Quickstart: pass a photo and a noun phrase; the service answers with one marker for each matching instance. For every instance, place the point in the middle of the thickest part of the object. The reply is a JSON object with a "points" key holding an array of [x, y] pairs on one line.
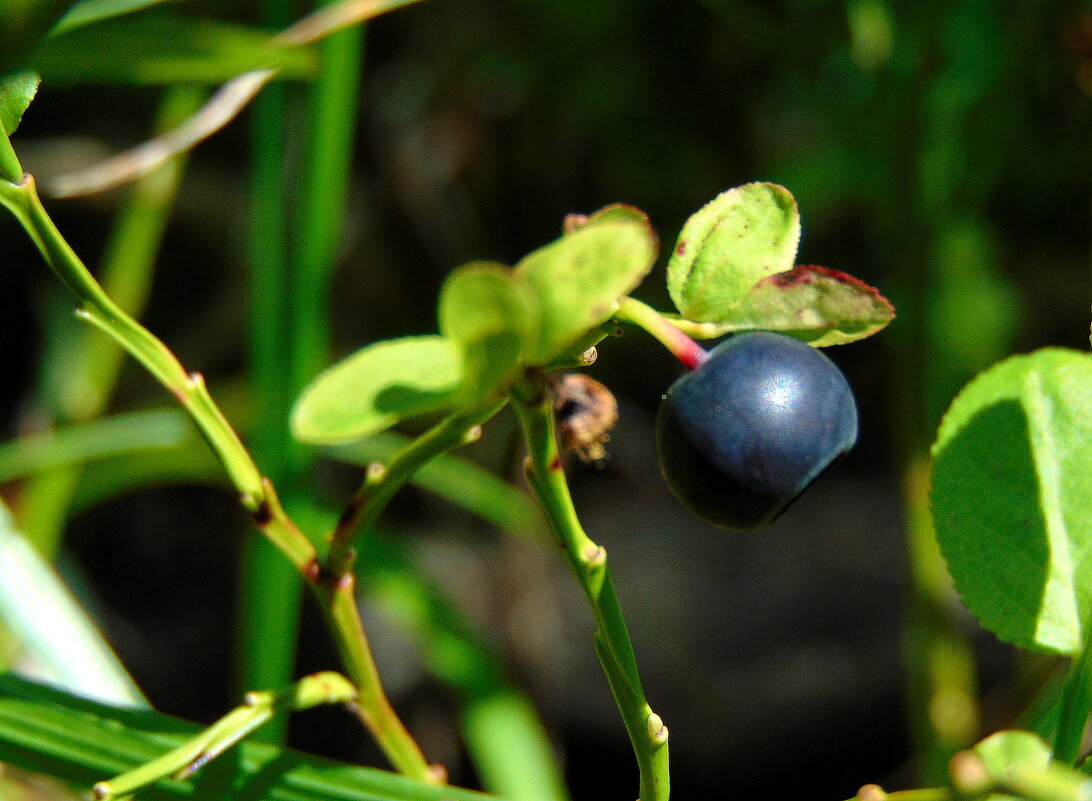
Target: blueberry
{"points": [[742, 435]]}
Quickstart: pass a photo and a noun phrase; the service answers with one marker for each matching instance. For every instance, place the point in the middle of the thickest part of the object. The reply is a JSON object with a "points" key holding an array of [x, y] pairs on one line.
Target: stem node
{"points": [[657, 731], [262, 513], [437, 774], [594, 556]]}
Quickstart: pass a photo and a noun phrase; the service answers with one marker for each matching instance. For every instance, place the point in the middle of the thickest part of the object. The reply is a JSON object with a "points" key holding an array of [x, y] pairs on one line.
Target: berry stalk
{"points": [[681, 346]]}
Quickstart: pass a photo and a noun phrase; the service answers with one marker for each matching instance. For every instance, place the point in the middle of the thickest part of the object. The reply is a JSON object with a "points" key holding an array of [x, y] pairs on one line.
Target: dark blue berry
{"points": [[741, 436]]}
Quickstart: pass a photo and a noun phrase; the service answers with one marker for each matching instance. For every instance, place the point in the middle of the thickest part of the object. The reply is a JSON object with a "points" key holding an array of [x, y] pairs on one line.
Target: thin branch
{"points": [[647, 732], [221, 109]]}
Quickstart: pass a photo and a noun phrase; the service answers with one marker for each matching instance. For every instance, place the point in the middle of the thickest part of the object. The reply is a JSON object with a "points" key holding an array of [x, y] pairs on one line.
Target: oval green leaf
{"points": [[579, 278], [1003, 750], [1012, 498], [16, 93], [733, 242], [377, 386], [492, 314], [819, 306], [164, 50]]}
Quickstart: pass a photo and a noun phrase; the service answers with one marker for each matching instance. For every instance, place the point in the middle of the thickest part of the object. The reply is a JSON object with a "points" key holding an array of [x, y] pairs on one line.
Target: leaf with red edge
{"points": [[817, 305], [578, 279]]}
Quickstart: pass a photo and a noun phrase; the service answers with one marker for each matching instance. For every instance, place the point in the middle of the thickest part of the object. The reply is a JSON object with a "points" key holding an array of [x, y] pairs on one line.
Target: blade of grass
{"points": [[56, 639], [48, 731], [270, 590], [78, 444], [288, 322]]}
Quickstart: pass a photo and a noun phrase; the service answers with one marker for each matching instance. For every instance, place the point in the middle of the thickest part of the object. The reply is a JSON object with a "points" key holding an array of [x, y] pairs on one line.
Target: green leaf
{"points": [[163, 50], [1012, 498], [493, 315], [819, 306], [737, 239], [49, 732], [1004, 749], [86, 12], [377, 386], [16, 92], [1018, 763], [580, 277]]}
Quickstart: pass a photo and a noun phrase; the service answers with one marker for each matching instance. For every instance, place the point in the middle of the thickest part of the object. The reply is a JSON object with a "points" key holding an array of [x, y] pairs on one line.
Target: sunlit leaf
{"points": [[579, 278], [1006, 748], [1012, 498], [819, 306], [493, 316], [1020, 764], [162, 50], [16, 93], [729, 245], [377, 386]]}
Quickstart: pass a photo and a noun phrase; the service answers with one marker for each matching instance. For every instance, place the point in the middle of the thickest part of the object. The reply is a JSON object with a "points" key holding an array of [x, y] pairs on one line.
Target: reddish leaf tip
{"points": [[807, 273]]}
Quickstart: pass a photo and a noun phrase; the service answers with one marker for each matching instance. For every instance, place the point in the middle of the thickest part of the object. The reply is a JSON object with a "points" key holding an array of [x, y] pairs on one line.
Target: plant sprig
{"points": [[534, 406], [502, 328], [256, 492], [257, 709], [382, 481]]}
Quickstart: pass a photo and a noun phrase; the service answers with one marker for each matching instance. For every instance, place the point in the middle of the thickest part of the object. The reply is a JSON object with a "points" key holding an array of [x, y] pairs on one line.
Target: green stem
{"points": [[257, 493], [257, 709], [338, 601], [382, 481], [1073, 706], [79, 375], [682, 347], [270, 591], [534, 407], [95, 307], [10, 168], [459, 481]]}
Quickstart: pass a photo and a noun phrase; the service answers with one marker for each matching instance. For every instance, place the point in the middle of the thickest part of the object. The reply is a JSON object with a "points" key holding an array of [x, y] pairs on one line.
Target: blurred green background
{"points": [[939, 151]]}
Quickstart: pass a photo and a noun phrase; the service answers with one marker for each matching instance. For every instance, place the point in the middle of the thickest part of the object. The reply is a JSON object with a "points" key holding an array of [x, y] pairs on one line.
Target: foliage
{"points": [[1008, 492]]}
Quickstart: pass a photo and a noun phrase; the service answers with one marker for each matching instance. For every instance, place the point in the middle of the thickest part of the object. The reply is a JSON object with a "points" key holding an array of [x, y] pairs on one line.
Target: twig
{"points": [[647, 732], [221, 108]]}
